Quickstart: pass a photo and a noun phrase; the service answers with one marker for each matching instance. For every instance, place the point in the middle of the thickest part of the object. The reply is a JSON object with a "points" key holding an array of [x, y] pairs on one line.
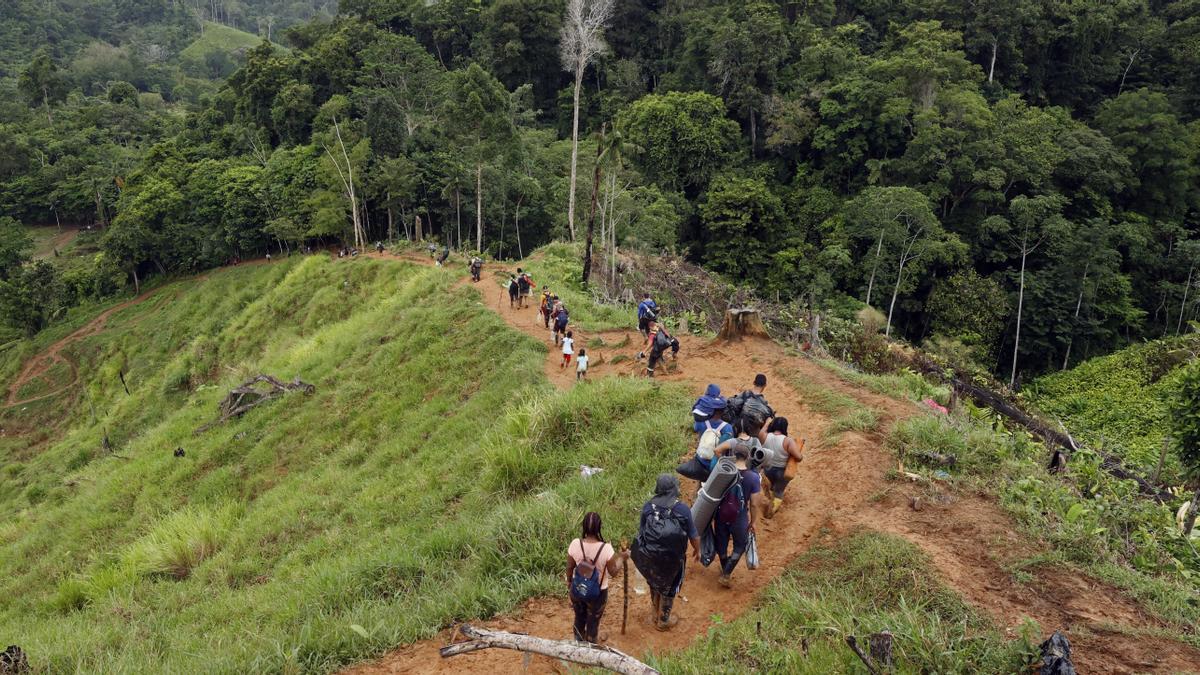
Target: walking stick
{"points": [[625, 588]]}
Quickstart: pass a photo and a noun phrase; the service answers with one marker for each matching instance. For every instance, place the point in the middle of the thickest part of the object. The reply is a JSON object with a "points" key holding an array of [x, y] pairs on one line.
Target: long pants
{"points": [[739, 531], [778, 482], [587, 617], [663, 600]]}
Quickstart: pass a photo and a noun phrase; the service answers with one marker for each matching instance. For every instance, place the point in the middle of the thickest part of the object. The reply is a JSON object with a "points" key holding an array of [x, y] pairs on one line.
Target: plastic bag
{"points": [[708, 547], [752, 552], [1056, 656]]}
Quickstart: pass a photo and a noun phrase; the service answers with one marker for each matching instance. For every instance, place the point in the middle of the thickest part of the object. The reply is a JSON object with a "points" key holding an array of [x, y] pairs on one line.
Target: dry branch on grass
{"points": [[575, 652], [251, 394]]}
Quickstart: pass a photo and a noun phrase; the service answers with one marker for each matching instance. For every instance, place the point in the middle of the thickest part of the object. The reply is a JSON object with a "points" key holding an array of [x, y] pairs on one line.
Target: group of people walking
{"points": [[740, 441]]}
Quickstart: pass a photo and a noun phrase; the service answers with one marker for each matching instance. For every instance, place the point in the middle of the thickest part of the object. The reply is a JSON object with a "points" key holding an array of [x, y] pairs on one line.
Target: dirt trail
{"points": [[840, 487]]}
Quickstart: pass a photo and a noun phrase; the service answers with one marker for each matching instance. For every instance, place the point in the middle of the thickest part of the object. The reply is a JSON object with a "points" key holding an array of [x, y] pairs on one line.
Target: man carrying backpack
{"points": [[561, 317], [736, 514], [512, 290], [660, 550], [545, 305], [647, 311], [476, 268], [445, 254], [752, 404], [524, 286], [657, 341]]}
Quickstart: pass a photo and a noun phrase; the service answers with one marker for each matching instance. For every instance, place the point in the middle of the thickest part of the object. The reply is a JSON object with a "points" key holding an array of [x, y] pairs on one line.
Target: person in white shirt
{"points": [[581, 365], [568, 345]]}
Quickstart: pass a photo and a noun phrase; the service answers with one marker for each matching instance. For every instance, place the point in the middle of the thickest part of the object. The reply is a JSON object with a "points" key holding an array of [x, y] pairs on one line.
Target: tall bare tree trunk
{"points": [[458, 213], [1187, 286], [1078, 305], [479, 207], [992, 65], [574, 150], [875, 267], [1012, 378], [887, 332], [591, 226]]}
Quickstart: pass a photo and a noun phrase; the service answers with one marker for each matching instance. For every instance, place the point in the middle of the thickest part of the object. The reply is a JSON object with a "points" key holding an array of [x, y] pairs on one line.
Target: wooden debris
{"points": [[879, 660], [575, 652], [740, 323], [251, 394]]}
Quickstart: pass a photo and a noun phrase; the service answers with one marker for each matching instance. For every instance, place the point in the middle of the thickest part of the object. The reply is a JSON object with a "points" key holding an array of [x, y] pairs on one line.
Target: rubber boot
{"points": [[665, 620], [776, 504], [656, 602]]}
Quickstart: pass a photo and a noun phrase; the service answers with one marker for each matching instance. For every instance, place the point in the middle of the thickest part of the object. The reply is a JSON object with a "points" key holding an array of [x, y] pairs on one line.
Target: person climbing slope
{"points": [[476, 268], [568, 349], [658, 340], [710, 401], [561, 318], [581, 365], [713, 432], [783, 449], [445, 254], [751, 404], [545, 305], [659, 552], [735, 515], [513, 290], [591, 562], [524, 287], [647, 310]]}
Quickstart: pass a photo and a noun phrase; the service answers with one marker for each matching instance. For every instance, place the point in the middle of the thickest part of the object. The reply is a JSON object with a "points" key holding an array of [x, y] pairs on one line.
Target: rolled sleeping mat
{"points": [[724, 472], [760, 457]]}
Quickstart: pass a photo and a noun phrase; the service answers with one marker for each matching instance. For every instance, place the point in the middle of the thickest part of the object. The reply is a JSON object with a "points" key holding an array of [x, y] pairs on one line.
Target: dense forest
{"points": [[1019, 181]]}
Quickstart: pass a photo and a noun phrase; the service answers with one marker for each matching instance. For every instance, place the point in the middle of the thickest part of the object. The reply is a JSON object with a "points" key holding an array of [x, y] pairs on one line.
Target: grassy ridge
{"points": [[433, 476]]}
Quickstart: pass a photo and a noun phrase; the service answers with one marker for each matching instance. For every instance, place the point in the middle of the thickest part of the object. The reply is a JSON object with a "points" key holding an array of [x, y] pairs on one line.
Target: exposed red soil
{"points": [[840, 487]]}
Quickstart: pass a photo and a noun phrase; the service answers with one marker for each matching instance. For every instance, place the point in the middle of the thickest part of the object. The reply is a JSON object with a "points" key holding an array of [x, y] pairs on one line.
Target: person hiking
{"points": [[379, 247], [581, 364], [659, 552], [561, 318], [713, 431], [568, 349], [545, 304], [735, 514], [704, 407], [524, 285], [657, 342], [591, 562], [513, 290], [476, 268], [783, 448], [445, 254], [432, 249], [751, 403], [646, 311]]}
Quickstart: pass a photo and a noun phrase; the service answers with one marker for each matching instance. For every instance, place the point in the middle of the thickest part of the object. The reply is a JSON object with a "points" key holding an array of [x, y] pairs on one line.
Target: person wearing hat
{"points": [[748, 491], [660, 551], [703, 409]]}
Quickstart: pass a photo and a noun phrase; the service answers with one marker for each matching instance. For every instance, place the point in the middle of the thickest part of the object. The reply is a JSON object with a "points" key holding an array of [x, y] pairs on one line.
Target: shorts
{"points": [[778, 482], [643, 324], [560, 328], [566, 358]]}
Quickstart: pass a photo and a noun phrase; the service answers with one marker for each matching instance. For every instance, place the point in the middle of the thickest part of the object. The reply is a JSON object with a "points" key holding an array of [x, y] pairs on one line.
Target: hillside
{"points": [[432, 477], [217, 50]]}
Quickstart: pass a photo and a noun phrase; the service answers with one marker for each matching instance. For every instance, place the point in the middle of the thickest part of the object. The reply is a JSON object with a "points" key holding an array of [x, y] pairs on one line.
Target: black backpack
{"points": [[523, 282], [751, 405], [661, 340]]}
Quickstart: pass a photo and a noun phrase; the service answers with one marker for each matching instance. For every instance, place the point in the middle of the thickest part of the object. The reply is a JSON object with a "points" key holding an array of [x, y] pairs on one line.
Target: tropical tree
{"points": [[582, 40]]}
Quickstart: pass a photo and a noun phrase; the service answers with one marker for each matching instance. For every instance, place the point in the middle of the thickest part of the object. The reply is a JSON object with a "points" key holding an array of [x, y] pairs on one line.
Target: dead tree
{"points": [[250, 395], [740, 323], [575, 652]]}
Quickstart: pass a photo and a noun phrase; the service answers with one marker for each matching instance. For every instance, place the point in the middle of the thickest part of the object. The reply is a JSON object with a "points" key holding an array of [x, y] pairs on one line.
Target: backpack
{"points": [[523, 282], [665, 533], [709, 440], [731, 502], [749, 405], [661, 340], [560, 319], [585, 581]]}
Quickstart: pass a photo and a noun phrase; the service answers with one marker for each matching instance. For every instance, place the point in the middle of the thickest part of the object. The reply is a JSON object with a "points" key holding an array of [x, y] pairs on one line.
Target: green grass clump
{"points": [[864, 584], [1120, 401], [218, 37], [432, 477], [902, 384]]}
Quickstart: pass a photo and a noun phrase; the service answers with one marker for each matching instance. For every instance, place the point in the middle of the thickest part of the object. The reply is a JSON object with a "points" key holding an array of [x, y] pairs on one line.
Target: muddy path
{"points": [[840, 487]]}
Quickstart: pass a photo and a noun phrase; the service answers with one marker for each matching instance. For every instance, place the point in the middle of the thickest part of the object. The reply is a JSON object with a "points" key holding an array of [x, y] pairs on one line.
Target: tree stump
{"points": [[740, 323]]}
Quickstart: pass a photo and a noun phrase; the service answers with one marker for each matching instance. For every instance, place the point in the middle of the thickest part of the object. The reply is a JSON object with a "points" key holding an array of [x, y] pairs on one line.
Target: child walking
{"points": [[581, 365], [568, 345]]}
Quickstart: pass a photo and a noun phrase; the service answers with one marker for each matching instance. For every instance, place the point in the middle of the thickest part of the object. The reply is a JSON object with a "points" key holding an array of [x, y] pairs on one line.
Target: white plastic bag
{"points": [[752, 553]]}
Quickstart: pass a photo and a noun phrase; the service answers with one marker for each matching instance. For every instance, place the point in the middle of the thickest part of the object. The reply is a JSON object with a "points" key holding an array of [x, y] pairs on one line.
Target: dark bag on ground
{"points": [[659, 548], [1056, 656]]}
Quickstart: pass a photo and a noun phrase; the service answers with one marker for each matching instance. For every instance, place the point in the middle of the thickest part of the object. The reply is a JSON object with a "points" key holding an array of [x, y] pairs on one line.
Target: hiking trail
{"points": [[840, 487]]}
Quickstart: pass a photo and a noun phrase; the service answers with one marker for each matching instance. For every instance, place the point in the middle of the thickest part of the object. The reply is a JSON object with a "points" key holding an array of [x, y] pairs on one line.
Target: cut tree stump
{"points": [[252, 393], [575, 652], [740, 323]]}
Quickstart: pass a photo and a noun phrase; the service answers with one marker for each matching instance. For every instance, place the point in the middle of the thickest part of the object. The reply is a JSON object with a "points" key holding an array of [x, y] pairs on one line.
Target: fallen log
{"points": [[1048, 434], [575, 652], [251, 394], [740, 323]]}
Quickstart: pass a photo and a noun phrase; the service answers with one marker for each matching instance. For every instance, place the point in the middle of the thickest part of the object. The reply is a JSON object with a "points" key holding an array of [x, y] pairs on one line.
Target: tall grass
{"points": [[432, 477], [864, 584]]}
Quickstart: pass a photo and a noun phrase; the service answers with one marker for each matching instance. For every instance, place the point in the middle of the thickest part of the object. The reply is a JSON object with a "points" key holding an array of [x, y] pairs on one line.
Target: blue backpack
{"points": [[561, 319], [586, 580]]}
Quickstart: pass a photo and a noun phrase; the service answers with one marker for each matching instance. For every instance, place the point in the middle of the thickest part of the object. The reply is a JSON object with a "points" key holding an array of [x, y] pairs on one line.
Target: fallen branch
{"points": [[575, 652], [853, 642], [250, 395]]}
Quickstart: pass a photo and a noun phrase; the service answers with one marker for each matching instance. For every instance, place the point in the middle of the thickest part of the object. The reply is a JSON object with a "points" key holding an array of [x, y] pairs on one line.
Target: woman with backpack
{"points": [[591, 562], [784, 451]]}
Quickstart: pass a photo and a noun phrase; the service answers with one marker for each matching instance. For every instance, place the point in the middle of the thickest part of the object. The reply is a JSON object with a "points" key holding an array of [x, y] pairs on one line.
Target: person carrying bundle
{"points": [[751, 404], [476, 268], [657, 342], [524, 287], [734, 519], [780, 467], [659, 552]]}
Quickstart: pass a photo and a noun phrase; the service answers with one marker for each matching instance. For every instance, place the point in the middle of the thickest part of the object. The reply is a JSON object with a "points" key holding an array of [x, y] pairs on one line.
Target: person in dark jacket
{"points": [[664, 569]]}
